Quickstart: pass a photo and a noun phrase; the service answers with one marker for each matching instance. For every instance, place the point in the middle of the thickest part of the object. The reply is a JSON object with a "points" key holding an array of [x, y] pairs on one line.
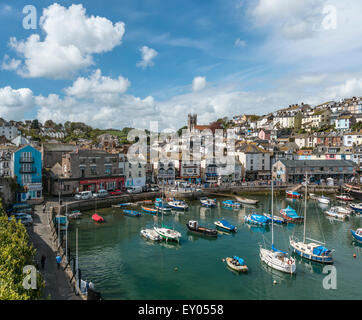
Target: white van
{"points": [[135, 189], [84, 195]]}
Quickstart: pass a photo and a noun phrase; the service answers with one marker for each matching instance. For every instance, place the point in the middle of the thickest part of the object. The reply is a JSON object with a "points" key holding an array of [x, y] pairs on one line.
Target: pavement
{"points": [[57, 286]]}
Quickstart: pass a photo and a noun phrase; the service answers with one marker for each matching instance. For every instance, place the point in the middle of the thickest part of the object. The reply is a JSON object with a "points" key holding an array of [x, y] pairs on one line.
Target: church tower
{"points": [[192, 121]]}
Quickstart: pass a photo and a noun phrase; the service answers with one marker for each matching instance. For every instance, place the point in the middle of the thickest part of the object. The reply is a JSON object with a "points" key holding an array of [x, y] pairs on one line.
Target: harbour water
{"points": [[123, 265]]}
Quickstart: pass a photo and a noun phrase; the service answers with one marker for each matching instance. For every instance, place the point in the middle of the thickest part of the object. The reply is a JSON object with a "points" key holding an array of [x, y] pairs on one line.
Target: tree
{"points": [[35, 124], [49, 124]]}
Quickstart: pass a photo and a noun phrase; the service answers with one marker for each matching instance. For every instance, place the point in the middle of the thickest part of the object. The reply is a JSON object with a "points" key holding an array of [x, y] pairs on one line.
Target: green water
{"points": [[123, 265]]}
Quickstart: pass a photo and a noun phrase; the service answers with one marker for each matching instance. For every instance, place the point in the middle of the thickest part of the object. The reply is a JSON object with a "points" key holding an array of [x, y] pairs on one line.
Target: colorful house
{"points": [[27, 168]]}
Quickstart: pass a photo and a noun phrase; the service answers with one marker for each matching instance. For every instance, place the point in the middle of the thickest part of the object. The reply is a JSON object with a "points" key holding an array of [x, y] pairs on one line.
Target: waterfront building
{"points": [[6, 159], [26, 167], [293, 171], [165, 172], [344, 122], [352, 139]]}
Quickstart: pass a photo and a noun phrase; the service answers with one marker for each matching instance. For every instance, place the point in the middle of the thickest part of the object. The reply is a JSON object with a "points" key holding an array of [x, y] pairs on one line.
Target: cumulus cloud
{"points": [[148, 54], [97, 86], [71, 39], [15, 102], [198, 83], [240, 43], [10, 64]]}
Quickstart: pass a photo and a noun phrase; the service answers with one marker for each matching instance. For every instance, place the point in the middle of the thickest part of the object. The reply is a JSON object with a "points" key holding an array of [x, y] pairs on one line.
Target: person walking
{"points": [[58, 258], [44, 207], [42, 261]]}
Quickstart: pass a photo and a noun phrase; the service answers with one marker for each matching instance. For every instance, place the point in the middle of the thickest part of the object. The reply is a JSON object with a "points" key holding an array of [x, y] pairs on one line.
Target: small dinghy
{"points": [[293, 194], [194, 227], [237, 264], [150, 234], [97, 218], [290, 215], [344, 197], [149, 210], [277, 220], [225, 226], [333, 212], [357, 235], [256, 219], [75, 214], [207, 202], [132, 213], [357, 207], [246, 200], [324, 200], [231, 204]]}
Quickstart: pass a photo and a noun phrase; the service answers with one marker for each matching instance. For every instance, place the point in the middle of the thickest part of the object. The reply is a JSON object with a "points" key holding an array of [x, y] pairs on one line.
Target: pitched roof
{"points": [[319, 163]]}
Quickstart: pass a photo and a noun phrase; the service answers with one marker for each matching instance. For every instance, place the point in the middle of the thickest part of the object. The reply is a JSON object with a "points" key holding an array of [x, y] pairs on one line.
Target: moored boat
{"points": [[344, 210], [256, 219], [324, 200], [132, 213], [150, 234], [119, 205], [225, 226], [246, 200], [293, 194], [275, 219], [194, 226], [168, 233], [344, 197], [357, 235], [162, 205], [289, 214], [333, 212], [97, 218], [237, 264], [75, 214], [354, 190], [231, 204], [357, 207], [178, 205], [207, 202], [149, 210]]}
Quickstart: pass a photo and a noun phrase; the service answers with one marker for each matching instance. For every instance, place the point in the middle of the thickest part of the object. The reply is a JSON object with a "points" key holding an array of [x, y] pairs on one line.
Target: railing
{"points": [[27, 170]]}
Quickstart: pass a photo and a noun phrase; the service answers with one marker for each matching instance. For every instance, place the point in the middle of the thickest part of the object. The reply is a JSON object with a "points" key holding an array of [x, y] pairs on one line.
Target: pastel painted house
{"points": [[27, 168]]}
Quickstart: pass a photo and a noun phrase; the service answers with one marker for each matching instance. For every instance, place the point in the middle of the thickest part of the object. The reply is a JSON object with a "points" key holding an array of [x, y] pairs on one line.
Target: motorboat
{"points": [[225, 226], [237, 264], [356, 207], [357, 235], [333, 212], [168, 233], [194, 226], [207, 202], [119, 205], [344, 210], [354, 190], [132, 213], [324, 200], [75, 214], [178, 205], [293, 194], [231, 204], [150, 234], [256, 219], [275, 219], [344, 197], [97, 218], [162, 205], [290, 215], [246, 200]]}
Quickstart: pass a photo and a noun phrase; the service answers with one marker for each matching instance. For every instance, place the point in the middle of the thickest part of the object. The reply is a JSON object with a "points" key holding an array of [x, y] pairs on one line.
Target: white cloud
{"points": [[10, 64], [15, 102], [198, 83], [148, 54], [71, 38], [97, 86], [240, 43]]}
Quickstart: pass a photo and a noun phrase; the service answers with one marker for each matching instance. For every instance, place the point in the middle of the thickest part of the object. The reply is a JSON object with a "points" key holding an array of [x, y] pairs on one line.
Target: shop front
{"points": [[108, 184]]}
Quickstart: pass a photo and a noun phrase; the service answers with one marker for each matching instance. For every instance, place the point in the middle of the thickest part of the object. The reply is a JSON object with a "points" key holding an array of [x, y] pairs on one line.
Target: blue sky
{"points": [[140, 61]]}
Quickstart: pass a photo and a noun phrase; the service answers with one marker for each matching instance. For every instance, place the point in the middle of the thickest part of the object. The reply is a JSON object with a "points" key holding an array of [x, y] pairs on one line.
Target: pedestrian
{"points": [[44, 207], [58, 258], [42, 261]]}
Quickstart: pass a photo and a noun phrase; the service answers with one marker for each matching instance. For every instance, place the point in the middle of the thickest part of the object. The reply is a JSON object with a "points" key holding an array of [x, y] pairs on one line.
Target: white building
{"points": [[9, 132]]}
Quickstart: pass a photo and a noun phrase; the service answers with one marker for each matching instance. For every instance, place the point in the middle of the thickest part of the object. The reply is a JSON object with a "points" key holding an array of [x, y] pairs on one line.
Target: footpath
{"points": [[57, 285]]}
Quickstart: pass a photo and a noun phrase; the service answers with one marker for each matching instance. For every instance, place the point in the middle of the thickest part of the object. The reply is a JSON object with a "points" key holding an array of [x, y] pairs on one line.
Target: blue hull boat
{"points": [[257, 219], [132, 213], [231, 204], [225, 226], [356, 207], [357, 235]]}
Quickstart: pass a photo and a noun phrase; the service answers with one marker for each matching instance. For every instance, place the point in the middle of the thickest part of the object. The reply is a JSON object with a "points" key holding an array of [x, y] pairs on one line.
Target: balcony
{"points": [[26, 159], [27, 170]]}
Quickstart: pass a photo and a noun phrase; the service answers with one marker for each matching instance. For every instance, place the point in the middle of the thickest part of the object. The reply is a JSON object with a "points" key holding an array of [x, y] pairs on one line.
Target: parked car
{"points": [[101, 194], [116, 192], [26, 220], [84, 195], [134, 190], [155, 189]]}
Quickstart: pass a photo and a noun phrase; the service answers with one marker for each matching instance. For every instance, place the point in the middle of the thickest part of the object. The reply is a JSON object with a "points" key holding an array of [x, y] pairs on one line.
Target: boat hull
{"points": [[234, 267], [203, 231], [247, 201], [310, 256], [356, 237], [267, 257]]}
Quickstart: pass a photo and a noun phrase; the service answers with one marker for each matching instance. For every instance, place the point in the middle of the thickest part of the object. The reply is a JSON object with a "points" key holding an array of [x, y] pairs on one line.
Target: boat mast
{"points": [[272, 204], [305, 205]]}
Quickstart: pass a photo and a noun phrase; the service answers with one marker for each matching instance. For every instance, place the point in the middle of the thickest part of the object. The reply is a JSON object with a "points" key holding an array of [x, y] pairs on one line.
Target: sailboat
{"points": [[275, 258], [314, 251]]}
